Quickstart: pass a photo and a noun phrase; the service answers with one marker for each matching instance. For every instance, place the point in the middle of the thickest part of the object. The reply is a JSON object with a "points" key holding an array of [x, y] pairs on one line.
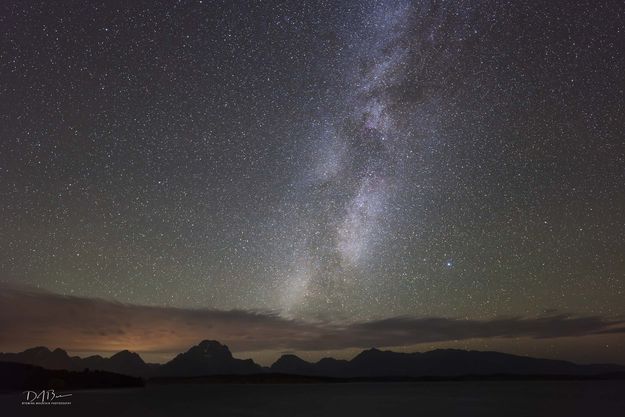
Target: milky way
{"points": [[359, 166], [327, 161]]}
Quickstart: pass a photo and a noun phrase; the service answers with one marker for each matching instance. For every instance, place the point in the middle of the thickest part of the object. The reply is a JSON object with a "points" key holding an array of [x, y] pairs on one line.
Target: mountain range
{"points": [[213, 358], [124, 362], [441, 362]]}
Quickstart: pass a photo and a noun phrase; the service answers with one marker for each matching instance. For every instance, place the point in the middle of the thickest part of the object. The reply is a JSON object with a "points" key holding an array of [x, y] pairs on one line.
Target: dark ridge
{"points": [[20, 376], [446, 363]]}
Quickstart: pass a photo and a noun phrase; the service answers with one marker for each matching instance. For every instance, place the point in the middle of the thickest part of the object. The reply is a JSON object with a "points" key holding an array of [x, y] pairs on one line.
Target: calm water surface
{"points": [[501, 399]]}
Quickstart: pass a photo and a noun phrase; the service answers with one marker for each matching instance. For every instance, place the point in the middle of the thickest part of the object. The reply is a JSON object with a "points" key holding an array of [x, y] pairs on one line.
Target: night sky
{"points": [[322, 162]]}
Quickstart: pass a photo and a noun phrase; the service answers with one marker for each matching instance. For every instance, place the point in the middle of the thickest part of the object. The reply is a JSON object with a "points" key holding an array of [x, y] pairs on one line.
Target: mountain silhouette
{"points": [[291, 364], [440, 362], [44, 357], [210, 357], [124, 362]]}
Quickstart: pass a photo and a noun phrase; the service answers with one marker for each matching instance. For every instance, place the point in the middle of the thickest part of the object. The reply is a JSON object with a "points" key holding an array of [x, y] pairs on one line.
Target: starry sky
{"points": [[331, 162]]}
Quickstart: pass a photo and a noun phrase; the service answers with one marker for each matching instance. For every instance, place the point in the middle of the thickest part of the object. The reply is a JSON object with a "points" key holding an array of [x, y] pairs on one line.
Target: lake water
{"points": [[431, 399]]}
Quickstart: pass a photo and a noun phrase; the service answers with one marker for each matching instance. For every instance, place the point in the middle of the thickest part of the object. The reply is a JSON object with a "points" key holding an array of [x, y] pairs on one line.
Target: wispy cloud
{"points": [[30, 317]]}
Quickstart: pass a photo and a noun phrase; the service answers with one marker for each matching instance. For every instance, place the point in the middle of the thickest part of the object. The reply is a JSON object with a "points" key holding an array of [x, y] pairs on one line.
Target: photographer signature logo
{"points": [[45, 397]]}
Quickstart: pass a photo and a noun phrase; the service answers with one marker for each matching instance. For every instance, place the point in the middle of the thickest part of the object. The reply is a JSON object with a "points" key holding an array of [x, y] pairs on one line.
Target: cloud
{"points": [[30, 317]]}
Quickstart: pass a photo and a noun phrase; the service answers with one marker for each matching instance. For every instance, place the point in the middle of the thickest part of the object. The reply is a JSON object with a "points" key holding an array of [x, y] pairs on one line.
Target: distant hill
{"points": [[20, 376], [441, 362], [212, 358]]}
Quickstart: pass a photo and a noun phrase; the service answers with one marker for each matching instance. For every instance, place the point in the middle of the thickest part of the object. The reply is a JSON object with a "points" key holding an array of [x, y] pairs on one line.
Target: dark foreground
{"points": [[21, 376], [455, 398]]}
